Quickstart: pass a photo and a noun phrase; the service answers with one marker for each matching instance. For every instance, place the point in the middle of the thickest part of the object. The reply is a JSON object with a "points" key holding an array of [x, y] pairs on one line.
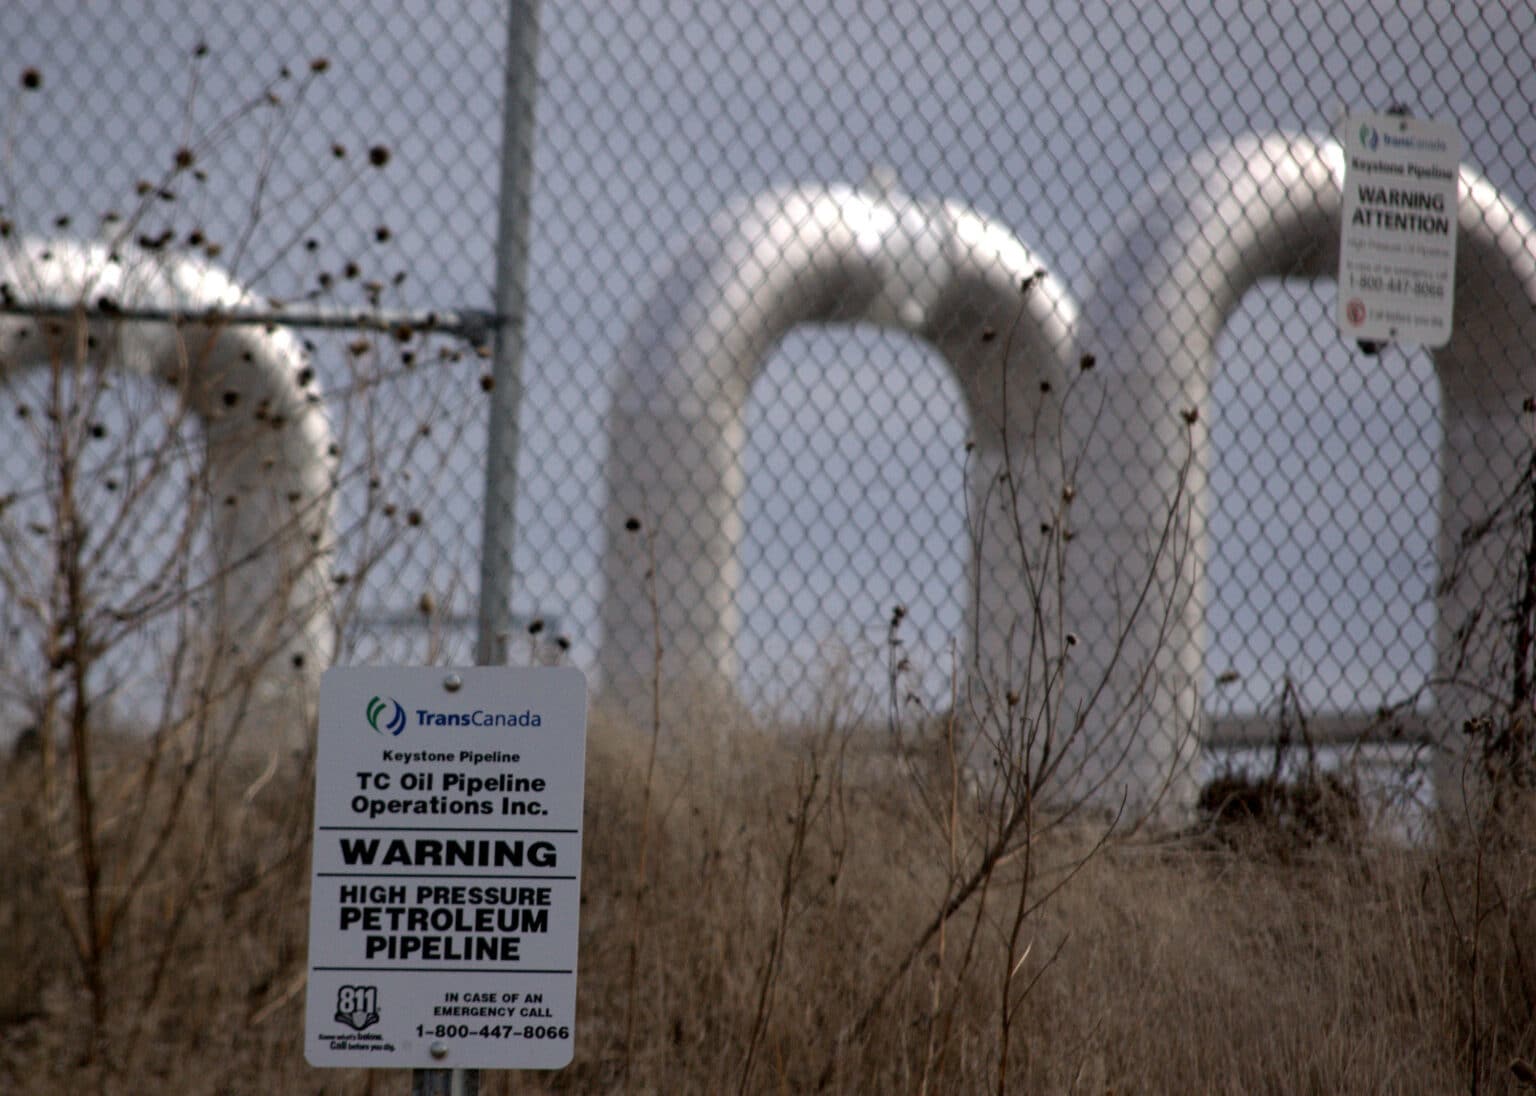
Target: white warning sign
{"points": [[447, 868], [1397, 253]]}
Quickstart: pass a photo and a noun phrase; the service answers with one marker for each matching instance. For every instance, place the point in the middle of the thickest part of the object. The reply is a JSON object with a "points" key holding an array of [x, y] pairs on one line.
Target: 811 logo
{"points": [[396, 721], [357, 1006]]}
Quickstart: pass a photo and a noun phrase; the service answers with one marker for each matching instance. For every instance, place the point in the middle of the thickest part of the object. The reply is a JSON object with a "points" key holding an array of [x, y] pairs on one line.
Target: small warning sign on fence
{"points": [[1397, 246], [447, 868]]}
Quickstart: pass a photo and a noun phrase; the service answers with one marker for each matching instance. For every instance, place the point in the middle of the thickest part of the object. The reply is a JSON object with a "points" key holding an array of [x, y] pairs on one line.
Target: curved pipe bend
{"points": [[1197, 239], [270, 462], [760, 267]]}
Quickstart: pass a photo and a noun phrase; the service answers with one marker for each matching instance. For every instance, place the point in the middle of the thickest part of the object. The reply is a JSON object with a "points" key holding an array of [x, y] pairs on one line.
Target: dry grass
{"points": [[787, 877]]}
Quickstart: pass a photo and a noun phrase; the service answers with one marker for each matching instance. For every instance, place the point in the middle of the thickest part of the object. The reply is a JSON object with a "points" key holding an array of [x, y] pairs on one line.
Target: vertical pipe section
{"points": [[500, 527]]}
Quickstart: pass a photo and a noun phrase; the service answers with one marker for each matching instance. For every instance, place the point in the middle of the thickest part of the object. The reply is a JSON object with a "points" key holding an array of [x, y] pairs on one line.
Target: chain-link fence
{"points": [[335, 165], [817, 444]]}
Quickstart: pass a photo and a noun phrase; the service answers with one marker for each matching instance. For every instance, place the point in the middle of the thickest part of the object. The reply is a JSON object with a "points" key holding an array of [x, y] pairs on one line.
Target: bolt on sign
{"points": [[446, 874], [1397, 246]]}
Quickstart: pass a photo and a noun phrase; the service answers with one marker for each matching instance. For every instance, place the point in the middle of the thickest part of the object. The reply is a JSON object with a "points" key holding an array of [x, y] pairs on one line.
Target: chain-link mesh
{"points": [[831, 432], [328, 161]]}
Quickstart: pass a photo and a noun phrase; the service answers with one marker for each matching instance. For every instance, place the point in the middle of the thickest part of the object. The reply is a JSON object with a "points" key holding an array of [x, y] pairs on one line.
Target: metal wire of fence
{"points": [[347, 156]]}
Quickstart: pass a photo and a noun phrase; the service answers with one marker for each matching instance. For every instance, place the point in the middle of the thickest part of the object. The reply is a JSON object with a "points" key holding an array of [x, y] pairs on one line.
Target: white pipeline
{"points": [[1185, 253], [821, 255], [270, 462]]}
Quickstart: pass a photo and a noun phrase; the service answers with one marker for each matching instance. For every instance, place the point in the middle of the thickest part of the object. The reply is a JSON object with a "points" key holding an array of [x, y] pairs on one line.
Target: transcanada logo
{"points": [[478, 718], [377, 707], [1427, 144], [1368, 137]]}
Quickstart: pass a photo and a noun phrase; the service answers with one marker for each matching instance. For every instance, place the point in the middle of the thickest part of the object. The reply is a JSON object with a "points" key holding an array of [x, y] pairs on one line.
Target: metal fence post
{"points": [[500, 525]]}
